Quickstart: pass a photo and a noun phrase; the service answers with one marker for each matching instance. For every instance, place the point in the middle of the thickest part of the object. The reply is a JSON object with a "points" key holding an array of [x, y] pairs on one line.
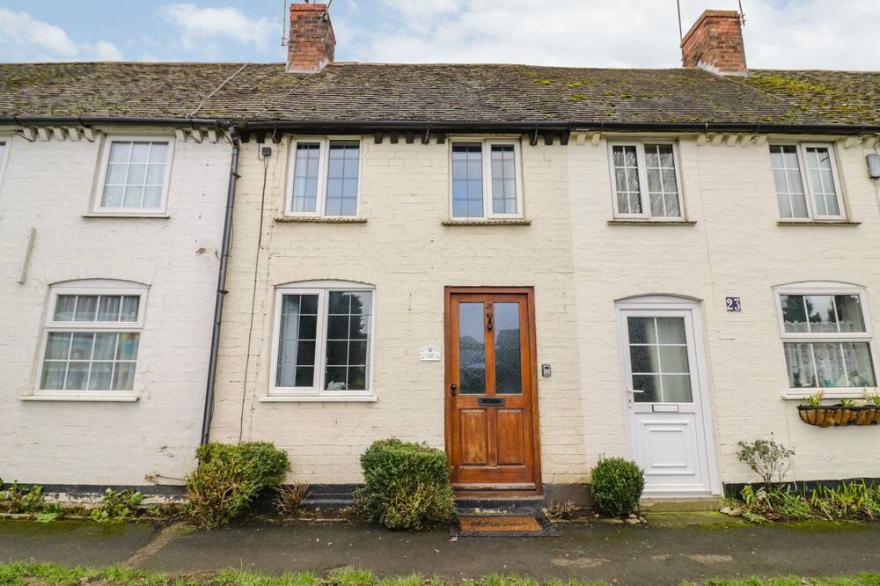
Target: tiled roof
{"points": [[436, 94], [842, 97]]}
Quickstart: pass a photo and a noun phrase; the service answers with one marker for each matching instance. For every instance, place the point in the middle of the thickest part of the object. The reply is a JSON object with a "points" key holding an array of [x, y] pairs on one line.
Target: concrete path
{"points": [[656, 554]]}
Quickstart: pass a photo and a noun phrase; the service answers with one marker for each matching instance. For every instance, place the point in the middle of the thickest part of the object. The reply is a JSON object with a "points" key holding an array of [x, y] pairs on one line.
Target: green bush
{"points": [[407, 485], [229, 477], [117, 505], [16, 498], [617, 486]]}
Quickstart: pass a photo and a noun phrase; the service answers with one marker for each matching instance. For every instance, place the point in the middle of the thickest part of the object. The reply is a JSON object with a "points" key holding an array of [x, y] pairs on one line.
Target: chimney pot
{"points": [[312, 42], [715, 42]]}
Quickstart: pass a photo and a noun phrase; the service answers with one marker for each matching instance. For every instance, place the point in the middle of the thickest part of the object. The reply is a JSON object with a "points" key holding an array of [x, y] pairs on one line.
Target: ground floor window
{"points": [[92, 337], [323, 339], [826, 337]]}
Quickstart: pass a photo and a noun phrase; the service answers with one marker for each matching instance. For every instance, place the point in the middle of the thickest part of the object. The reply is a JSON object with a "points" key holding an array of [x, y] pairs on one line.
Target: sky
{"points": [[783, 34]]}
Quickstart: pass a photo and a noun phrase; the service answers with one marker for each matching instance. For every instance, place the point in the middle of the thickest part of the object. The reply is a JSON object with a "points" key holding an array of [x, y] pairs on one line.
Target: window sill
{"points": [[828, 395], [321, 219], [160, 216], [488, 222], [317, 399], [817, 223], [634, 222], [83, 398]]}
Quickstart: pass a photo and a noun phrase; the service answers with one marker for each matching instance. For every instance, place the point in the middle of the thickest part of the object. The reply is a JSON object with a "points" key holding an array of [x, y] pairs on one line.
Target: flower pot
{"points": [[864, 415], [837, 415]]}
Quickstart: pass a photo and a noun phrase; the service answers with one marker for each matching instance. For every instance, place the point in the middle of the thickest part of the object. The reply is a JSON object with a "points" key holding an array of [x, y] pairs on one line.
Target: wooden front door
{"points": [[491, 411]]}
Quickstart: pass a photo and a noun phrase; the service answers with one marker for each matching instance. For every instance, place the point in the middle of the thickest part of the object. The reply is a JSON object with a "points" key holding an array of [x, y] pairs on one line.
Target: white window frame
{"points": [[323, 171], [800, 148], [486, 160], [91, 287], [643, 180], [97, 198], [824, 288], [322, 289]]}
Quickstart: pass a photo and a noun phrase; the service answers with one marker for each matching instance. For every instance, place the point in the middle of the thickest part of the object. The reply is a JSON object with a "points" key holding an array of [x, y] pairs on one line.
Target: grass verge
{"points": [[27, 574]]}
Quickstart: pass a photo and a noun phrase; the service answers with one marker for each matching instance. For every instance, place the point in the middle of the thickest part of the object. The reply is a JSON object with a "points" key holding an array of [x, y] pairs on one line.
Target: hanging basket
{"points": [[837, 415]]}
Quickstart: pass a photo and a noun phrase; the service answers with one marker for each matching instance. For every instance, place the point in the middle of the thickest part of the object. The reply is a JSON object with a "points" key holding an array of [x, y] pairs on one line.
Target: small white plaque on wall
{"points": [[429, 354]]}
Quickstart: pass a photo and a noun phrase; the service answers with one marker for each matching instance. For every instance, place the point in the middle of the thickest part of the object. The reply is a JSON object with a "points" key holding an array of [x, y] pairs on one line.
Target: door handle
{"points": [[489, 320], [454, 388], [632, 395]]}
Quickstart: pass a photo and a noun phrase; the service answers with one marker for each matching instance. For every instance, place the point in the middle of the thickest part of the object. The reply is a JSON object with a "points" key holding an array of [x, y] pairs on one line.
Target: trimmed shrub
{"points": [[617, 486], [407, 485], [229, 477]]}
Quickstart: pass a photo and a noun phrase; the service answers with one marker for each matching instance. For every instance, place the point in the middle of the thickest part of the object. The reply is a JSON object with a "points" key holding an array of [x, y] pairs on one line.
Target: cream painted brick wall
{"points": [[736, 249], [579, 265], [409, 256], [48, 186]]}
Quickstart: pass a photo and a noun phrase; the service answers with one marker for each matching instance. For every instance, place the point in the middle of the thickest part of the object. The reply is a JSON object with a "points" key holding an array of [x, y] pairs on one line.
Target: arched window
{"points": [[323, 339], [827, 337], [92, 337]]}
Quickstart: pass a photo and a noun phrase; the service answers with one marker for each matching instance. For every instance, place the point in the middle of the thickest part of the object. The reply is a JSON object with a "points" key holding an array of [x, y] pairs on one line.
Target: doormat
{"points": [[502, 526]]}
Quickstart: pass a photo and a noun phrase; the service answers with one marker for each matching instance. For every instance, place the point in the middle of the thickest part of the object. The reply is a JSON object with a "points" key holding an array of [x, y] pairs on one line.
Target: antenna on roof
{"points": [[680, 32], [285, 20], [742, 15]]}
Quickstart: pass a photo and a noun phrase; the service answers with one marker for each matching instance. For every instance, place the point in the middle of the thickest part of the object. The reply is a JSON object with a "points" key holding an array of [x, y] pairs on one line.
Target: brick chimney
{"points": [[715, 42], [312, 42]]}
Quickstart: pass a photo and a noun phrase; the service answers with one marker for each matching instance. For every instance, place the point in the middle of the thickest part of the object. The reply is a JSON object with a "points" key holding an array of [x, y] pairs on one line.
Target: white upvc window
{"points": [[135, 174], [807, 183], [486, 179], [645, 180], [827, 338], [92, 339], [324, 178], [323, 339]]}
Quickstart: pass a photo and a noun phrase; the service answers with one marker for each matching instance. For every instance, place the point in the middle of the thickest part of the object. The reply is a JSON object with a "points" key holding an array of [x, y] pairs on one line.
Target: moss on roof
{"points": [[349, 92], [844, 97]]}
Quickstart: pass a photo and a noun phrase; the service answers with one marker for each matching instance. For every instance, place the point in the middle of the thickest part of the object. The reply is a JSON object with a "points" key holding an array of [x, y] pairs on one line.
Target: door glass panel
{"points": [[471, 349], [659, 363], [647, 388], [508, 357]]}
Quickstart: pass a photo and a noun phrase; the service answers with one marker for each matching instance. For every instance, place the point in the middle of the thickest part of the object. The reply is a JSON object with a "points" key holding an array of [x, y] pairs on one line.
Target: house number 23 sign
{"points": [[733, 304]]}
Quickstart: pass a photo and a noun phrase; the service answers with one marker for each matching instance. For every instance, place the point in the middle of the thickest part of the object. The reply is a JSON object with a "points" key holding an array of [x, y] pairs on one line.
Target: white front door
{"points": [[668, 423]]}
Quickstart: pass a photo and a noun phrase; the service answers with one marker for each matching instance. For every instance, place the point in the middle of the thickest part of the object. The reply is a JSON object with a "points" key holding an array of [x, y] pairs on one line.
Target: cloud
{"points": [[25, 38], [203, 29], [104, 51], [608, 33]]}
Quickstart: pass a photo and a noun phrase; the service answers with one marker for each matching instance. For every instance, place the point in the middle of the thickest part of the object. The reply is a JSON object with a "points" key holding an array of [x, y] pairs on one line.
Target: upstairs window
{"points": [[324, 178], [135, 176], [486, 180], [323, 339], [806, 180], [92, 339], [827, 338], [645, 181]]}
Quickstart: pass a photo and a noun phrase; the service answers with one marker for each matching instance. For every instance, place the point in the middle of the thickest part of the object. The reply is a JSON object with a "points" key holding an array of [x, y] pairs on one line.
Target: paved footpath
{"points": [[661, 553]]}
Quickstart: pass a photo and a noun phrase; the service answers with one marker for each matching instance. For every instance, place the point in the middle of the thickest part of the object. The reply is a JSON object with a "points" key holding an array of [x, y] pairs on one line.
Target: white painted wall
{"points": [[47, 185], [578, 264], [735, 248]]}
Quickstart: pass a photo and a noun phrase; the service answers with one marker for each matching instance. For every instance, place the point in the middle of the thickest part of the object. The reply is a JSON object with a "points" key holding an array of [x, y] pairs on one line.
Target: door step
{"points": [[681, 505], [499, 506]]}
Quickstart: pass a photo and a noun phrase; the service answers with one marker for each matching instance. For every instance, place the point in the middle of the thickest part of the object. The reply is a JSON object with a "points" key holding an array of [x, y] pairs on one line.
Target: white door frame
{"points": [[693, 308]]}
